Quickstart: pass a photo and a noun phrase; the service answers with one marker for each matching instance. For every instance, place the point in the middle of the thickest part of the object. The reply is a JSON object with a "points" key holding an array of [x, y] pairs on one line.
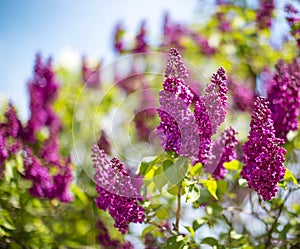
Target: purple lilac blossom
{"points": [[117, 195], [284, 97], [215, 99], [178, 127], [186, 133], [141, 44], [264, 14], [90, 75], [118, 36], [222, 151], [293, 20], [243, 96], [104, 143], [107, 242], [263, 154], [43, 91]]}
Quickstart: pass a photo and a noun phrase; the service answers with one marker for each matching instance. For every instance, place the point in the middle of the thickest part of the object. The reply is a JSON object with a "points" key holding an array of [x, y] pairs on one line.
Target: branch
{"points": [[176, 225], [269, 239]]}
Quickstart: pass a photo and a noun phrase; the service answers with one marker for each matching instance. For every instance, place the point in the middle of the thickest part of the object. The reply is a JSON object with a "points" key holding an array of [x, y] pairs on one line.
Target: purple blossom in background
{"points": [[3, 153], [117, 195], [141, 44], [222, 151], [118, 36], [173, 33], [263, 154], [293, 20], [264, 14], [284, 97], [107, 242], [90, 76], [43, 91], [243, 96], [224, 25], [103, 143], [40, 176], [203, 44]]}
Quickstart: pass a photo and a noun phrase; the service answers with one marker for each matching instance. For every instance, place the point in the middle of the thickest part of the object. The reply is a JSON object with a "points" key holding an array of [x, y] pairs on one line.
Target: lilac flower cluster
{"points": [[90, 76], [175, 33], [284, 97], [43, 91], [264, 14], [141, 44], [222, 151], [243, 96], [180, 130], [107, 242], [224, 25], [116, 191], [263, 155], [293, 19], [39, 161], [104, 143]]}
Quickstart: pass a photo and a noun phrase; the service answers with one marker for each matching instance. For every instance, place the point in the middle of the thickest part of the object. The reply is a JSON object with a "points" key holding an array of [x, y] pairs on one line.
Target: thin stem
{"points": [[269, 239], [176, 226]]}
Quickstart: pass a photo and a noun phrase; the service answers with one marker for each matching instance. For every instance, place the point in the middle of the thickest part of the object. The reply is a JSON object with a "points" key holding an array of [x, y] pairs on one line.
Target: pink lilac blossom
{"points": [[284, 97], [90, 75], [264, 14], [117, 195], [263, 154], [222, 151]]}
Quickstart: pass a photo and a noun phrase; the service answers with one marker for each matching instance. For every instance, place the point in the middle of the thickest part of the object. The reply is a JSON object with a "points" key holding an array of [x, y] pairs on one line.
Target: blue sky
{"points": [[50, 26]]}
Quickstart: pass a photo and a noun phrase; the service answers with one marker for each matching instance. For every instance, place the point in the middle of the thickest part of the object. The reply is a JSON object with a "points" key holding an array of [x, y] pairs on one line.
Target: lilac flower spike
{"points": [[222, 151], [284, 97], [117, 194], [263, 154]]}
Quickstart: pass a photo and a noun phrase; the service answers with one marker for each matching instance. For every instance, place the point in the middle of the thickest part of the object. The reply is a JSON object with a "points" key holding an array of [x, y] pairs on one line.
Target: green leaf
{"points": [[176, 242], [192, 193], [198, 223], [233, 165], [210, 241], [162, 213], [211, 186], [148, 229], [175, 172], [196, 170], [290, 177], [190, 230]]}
